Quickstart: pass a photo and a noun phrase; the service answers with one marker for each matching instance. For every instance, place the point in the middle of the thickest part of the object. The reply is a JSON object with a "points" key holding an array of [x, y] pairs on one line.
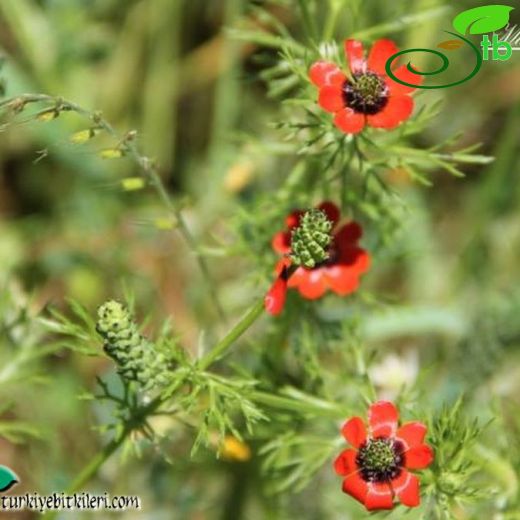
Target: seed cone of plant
{"points": [[136, 358], [311, 239]]}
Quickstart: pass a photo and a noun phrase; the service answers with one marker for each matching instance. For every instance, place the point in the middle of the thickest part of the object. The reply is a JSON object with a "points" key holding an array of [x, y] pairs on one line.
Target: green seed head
{"points": [[136, 358], [311, 239], [378, 455]]}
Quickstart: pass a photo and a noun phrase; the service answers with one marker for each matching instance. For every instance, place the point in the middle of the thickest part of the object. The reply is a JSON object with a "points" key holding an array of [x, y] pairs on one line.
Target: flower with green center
{"points": [[377, 470], [137, 358], [366, 96], [319, 254], [311, 239]]}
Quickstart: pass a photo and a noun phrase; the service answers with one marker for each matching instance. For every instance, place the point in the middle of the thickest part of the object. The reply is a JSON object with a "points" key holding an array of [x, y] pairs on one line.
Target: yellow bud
{"points": [[234, 449], [133, 183], [111, 153], [82, 136], [47, 115], [165, 223], [239, 176]]}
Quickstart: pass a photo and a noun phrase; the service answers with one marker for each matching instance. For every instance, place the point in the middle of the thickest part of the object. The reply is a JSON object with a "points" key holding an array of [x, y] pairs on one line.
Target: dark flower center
{"points": [[380, 459], [367, 94]]}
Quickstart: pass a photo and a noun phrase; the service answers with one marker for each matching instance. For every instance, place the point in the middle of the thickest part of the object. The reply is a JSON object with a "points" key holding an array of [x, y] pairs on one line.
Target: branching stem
{"points": [[145, 164]]}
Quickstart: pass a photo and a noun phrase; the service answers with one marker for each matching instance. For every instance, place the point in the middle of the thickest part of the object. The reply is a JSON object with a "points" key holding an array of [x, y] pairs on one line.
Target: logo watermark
{"points": [[8, 479], [59, 501], [484, 21]]}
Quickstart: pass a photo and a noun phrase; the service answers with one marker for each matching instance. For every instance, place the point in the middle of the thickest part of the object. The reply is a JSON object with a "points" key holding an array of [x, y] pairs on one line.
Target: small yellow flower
{"points": [[234, 449], [111, 153], [48, 115], [165, 223], [239, 176], [82, 136], [133, 183]]}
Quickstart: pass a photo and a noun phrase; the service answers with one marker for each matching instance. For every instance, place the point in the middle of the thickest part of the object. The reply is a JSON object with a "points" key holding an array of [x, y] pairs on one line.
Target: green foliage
{"points": [[453, 438], [236, 142]]}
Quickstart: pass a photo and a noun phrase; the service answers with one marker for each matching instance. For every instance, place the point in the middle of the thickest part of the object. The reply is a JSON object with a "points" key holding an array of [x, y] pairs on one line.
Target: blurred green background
{"points": [[187, 75]]}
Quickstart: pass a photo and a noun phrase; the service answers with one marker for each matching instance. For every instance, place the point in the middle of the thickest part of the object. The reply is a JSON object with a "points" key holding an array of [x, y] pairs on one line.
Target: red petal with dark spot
{"points": [[356, 487], [403, 74], [379, 496], [383, 417], [331, 98], [355, 56], [406, 487], [412, 433], [349, 121], [345, 463], [324, 73], [396, 111]]}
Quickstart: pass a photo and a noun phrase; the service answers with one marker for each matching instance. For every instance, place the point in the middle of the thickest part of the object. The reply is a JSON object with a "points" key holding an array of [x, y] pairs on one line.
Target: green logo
{"points": [[7, 479], [479, 20]]}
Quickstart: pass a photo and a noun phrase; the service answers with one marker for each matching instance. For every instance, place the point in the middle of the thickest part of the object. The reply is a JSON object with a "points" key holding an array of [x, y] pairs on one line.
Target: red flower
{"points": [[369, 97], [340, 273], [376, 471]]}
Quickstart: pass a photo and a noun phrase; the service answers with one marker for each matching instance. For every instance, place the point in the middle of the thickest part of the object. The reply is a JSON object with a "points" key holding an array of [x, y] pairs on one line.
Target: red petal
{"points": [[406, 487], [346, 462], [379, 54], [331, 210], [331, 98], [342, 279], [396, 110], [281, 242], [404, 74], [419, 457], [412, 433], [354, 431], [349, 233], [379, 496], [282, 264], [355, 258], [274, 300], [362, 264], [383, 417], [324, 73], [355, 56], [349, 121], [356, 487], [293, 219], [310, 283]]}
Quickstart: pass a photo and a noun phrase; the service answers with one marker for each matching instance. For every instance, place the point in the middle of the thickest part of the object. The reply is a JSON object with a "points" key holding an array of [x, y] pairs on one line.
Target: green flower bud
{"points": [[136, 358], [311, 239]]}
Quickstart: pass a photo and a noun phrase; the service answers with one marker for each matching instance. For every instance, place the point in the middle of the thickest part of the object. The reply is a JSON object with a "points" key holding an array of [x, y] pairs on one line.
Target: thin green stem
{"points": [[145, 164], [308, 20], [225, 343], [308, 404], [216, 353], [330, 22]]}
